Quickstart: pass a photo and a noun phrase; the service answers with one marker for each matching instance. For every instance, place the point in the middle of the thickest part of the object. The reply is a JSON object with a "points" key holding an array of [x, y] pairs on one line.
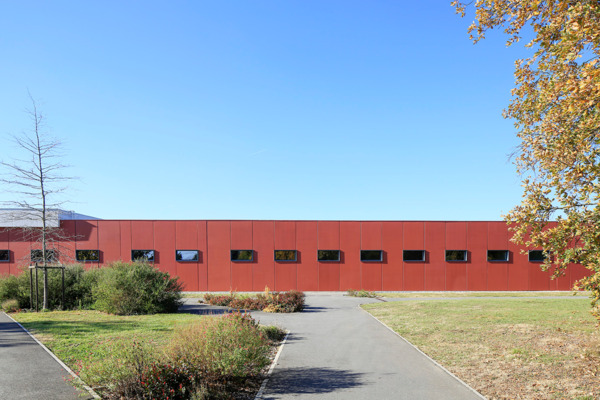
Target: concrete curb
{"points": [[425, 355], [62, 364], [259, 395]]}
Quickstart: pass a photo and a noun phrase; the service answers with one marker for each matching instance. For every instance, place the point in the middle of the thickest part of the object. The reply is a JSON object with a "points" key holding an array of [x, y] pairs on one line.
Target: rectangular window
{"points": [[87, 255], [497, 255], [186, 255], [4, 256], [413, 255], [536, 256], [328, 255], [456, 255], [285, 255], [142, 255], [242, 255], [371, 255], [51, 256]]}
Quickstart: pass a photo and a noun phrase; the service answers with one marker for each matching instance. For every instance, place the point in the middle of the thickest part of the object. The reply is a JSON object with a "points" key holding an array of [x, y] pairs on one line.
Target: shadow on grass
{"points": [[312, 381]]}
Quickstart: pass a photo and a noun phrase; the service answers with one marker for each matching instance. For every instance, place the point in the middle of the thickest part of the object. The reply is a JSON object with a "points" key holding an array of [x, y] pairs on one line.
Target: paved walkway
{"points": [[27, 371], [335, 350]]}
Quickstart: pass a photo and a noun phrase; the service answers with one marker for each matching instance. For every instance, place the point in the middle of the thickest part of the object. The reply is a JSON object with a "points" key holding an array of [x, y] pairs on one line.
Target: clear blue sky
{"points": [[265, 109]]}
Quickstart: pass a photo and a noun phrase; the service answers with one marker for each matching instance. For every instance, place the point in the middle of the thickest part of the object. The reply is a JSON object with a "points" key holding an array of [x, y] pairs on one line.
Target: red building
{"points": [[221, 255]]}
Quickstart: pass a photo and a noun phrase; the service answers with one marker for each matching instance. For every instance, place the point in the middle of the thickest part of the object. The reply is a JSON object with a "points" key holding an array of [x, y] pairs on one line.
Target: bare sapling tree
{"points": [[37, 179]]}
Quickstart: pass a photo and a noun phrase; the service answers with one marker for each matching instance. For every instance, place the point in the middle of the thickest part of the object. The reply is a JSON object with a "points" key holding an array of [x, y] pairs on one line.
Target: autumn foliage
{"points": [[556, 112]]}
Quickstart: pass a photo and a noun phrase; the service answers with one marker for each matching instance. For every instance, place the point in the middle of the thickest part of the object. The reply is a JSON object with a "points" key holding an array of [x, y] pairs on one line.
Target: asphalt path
{"points": [[27, 371], [335, 350]]}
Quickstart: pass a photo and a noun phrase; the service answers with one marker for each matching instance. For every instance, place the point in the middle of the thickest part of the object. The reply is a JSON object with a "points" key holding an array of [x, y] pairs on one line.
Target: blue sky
{"points": [[265, 109]]}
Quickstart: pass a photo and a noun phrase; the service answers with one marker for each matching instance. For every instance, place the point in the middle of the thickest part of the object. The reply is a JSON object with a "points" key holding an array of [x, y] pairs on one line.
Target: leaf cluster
{"points": [[556, 113]]}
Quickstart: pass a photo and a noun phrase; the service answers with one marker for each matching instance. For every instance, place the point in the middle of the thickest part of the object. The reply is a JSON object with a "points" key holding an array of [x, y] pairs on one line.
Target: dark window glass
{"points": [[51, 256], [371, 255], [328, 255], [413, 255], [456, 255], [186, 255], [497, 255], [87, 255], [536, 256], [142, 255], [285, 255], [4, 256], [242, 255]]}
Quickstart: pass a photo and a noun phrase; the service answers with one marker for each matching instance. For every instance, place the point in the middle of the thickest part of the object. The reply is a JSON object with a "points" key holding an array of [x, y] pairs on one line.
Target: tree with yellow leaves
{"points": [[556, 110]]}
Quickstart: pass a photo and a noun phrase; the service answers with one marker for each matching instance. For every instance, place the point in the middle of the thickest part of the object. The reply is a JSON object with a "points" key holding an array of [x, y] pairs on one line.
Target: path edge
{"points": [[260, 393], [58, 360], [426, 356]]}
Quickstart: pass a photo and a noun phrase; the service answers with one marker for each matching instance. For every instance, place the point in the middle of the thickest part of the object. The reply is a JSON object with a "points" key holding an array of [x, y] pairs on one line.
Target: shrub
{"points": [[219, 300], [291, 301], [78, 287], [204, 360], [136, 288], [11, 305], [273, 333], [361, 293], [221, 348]]}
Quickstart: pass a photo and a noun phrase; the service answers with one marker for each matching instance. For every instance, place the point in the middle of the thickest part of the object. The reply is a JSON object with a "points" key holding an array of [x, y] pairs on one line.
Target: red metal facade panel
{"points": [[214, 240], [414, 239], [109, 241], [142, 235], [306, 243], [264, 270], [497, 272], [186, 238], [371, 240], [218, 256], [435, 266], [20, 248], [202, 265], [6, 267], [186, 235], [125, 240], [456, 272], [370, 235], [285, 235], [477, 247], [350, 265], [285, 271], [164, 248], [392, 269], [518, 273], [456, 235], [86, 234], [241, 235], [329, 239], [66, 249], [241, 239]]}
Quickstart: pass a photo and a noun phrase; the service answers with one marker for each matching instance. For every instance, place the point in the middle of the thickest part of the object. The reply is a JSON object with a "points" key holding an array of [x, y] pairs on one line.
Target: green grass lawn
{"points": [[87, 340], [480, 294], [506, 348]]}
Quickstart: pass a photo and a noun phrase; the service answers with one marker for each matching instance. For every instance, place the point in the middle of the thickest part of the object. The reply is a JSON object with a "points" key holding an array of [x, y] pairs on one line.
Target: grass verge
{"points": [[96, 346], [506, 348], [481, 294]]}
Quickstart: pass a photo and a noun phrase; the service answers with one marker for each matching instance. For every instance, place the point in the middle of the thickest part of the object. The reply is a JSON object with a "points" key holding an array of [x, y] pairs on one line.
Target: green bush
{"points": [[78, 287], [15, 287], [361, 293], [11, 305], [210, 359], [135, 288], [224, 348]]}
